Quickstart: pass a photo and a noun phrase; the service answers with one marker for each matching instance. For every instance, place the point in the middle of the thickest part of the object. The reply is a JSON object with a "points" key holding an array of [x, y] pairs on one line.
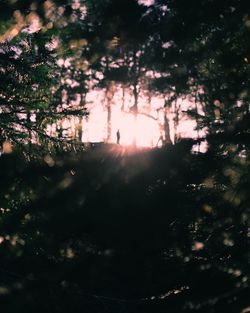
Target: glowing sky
{"points": [[145, 129]]}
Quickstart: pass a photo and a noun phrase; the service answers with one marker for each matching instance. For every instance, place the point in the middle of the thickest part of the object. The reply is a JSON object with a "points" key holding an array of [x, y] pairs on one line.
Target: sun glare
{"points": [[143, 130]]}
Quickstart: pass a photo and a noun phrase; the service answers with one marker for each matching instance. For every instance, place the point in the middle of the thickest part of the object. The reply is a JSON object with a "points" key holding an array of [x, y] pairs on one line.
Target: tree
{"points": [[30, 74], [154, 231]]}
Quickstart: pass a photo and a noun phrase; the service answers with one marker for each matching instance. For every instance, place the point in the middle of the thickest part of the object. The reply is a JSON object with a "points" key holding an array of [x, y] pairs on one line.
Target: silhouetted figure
{"points": [[118, 136]]}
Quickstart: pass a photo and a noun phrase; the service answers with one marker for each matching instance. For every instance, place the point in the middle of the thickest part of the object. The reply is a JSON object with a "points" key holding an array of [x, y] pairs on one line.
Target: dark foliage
{"points": [[114, 229], [118, 231]]}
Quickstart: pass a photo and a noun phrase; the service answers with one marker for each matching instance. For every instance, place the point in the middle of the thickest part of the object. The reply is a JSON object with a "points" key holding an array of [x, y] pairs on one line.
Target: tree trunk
{"points": [[123, 98], [135, 92], [198, 131], [80, 131], [109, 127], [167, 139], [109, 97], [176, 121]]}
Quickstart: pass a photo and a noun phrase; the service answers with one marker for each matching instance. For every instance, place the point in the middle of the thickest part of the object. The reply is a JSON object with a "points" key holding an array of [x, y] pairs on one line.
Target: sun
{"points": [[140, 129]]}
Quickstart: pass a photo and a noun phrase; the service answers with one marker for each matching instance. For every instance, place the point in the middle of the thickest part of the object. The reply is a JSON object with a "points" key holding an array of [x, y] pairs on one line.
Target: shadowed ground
{"points": [[118, 230]]}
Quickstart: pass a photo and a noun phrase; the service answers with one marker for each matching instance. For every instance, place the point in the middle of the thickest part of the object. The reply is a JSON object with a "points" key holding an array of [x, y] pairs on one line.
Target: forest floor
{"points": [[117, 229]]}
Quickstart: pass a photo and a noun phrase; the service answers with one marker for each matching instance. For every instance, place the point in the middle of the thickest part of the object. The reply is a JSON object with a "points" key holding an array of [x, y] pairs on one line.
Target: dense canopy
{"points": [[103, 227]]}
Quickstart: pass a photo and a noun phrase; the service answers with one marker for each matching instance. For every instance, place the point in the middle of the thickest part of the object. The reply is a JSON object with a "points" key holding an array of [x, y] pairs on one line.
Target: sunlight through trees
{"points": [[124, 137]]}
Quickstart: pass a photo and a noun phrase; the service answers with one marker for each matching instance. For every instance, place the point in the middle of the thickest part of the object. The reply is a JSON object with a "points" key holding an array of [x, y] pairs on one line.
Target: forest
{"points": [[124, 156]]}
